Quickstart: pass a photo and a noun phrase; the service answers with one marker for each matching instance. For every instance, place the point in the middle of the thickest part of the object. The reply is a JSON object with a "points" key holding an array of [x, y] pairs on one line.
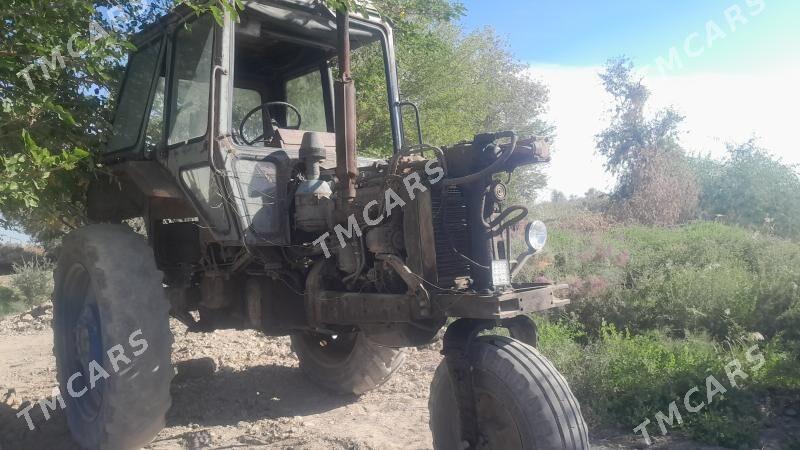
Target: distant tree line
{"points": [[660, 183]]}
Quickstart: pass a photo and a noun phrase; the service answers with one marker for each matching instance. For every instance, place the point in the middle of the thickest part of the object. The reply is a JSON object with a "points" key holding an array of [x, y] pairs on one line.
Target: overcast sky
{"points": [[731, 67]]}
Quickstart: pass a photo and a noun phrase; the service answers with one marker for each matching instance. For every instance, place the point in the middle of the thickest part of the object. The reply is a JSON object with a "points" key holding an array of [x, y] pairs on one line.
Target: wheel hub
{"points": [[88, 338]]}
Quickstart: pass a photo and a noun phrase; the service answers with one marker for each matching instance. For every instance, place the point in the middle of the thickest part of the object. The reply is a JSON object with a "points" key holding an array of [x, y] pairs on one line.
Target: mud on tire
{"points": [[348, 364], [522, 401], [106, 288]]}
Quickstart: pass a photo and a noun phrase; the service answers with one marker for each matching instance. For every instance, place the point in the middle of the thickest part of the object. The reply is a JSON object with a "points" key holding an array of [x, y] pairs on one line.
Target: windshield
{"points": [[284, 73]]}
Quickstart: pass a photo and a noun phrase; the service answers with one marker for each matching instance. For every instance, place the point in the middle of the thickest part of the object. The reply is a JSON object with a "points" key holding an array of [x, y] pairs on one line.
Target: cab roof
{"points": [[311, 15]]}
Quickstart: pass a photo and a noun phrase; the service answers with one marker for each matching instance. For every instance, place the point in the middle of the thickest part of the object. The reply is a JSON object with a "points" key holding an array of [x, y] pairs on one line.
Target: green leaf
{"points": [[62, 113], [80, 153], [217, 14], [28, 140]]}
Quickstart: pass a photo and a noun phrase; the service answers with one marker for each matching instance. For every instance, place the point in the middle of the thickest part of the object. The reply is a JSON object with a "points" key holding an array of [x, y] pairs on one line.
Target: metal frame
{"points": [[523, 299]]}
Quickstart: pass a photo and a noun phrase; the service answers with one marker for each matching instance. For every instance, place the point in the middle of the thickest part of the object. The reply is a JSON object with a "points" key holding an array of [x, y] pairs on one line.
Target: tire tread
{"points": [[553, 417], [128, 290]]}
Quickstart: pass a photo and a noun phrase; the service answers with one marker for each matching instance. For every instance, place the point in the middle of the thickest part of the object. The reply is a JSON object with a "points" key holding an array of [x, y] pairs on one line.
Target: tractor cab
{"points": [[209, 102]]}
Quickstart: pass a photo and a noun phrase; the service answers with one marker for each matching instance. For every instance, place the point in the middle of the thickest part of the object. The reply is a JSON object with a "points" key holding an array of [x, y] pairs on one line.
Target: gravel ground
{"points": [[239, 389]]}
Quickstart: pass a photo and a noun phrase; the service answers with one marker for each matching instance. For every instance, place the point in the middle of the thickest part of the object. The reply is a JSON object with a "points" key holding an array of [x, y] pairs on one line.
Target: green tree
{"points": [[60, 64], [655, 185], [464, 83], [751, 188], [630, 130], [52, 104]]}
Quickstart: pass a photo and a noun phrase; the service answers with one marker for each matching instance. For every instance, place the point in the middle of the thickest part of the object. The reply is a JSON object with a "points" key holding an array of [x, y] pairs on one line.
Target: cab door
{"points": [[194, 63]]}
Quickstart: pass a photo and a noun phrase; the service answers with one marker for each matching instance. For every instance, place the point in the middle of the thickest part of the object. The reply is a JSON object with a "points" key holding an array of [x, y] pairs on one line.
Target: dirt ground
{"points": [[239, 389]]}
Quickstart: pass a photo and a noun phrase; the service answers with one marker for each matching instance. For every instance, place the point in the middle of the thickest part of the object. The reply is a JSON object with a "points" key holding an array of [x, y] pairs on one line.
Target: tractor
{"points": [[234, 141]]}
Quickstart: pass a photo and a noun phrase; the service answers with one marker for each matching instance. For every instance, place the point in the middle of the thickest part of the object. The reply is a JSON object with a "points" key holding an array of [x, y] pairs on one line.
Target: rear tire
{"points": [[522, 401], [108, 293], [349, 364]]}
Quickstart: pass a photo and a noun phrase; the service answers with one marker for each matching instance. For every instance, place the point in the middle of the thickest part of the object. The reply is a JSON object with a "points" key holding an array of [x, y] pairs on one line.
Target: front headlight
{"points": [[536, 235]]}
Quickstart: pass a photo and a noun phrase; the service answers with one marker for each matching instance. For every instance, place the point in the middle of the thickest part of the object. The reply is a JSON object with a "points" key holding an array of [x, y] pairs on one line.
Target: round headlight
{"points": [[536, 235]]}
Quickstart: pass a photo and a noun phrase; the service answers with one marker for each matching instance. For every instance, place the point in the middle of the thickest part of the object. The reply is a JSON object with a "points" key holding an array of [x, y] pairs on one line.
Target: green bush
{"points": [[34, 281], [10, 301], [560, 341], [621, 379], [700, 278], [655, 311]]}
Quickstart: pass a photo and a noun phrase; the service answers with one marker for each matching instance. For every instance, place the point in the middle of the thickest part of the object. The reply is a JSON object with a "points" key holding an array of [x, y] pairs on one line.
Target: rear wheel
{"points": [[346, 363], [521, 401], [112, 338]]}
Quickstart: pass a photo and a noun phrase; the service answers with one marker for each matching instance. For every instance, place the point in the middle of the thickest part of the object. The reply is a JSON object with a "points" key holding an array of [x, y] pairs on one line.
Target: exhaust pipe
{"points": [[346, 164]]}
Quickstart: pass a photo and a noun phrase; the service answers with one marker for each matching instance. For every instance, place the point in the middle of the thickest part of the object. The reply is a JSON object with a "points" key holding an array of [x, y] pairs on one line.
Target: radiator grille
{"points": [[453, 233]]}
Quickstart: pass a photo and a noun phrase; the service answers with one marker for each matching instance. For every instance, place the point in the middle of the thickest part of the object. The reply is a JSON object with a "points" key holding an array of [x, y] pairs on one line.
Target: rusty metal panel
{"points": [[419, 237], [351, 308], [524, 299], [152, 179]]}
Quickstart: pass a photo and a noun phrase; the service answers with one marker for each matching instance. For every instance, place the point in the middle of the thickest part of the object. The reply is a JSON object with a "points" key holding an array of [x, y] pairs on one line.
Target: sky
{"points": [[12, 237], [732, 68]]}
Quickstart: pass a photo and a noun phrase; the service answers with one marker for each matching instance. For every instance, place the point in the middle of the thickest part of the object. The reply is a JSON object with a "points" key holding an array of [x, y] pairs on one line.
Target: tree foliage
{"points": [[631, 130], [60, 66], [655, 185], [49, 116], [752, 188], [464, 83]]}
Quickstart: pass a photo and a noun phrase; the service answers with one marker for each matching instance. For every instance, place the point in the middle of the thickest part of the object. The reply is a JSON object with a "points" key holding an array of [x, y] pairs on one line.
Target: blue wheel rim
{"points": [[84, 345]]}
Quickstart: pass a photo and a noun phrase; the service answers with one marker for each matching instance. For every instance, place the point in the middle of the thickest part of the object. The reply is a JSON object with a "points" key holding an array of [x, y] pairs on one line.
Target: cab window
{"points": [[191, 81], [155, 122], [244, 101], [306, 93], [132, 105]]}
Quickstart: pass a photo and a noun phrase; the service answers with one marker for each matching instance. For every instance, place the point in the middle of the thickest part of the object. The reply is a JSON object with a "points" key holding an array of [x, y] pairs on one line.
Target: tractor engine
{"points": [[426, 220]]}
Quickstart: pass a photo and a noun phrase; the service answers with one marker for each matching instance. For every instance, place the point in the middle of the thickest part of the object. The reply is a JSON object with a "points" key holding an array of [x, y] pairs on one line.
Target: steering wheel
{"points": [[265, 107]]}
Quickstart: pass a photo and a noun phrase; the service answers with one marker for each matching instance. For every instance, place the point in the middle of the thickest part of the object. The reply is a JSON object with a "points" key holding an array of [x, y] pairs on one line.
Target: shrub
{"points": [[9, 301], [560, 341], [622, 378], [704, 277], [658, 189], [657, 310], [17, 254], [34, 281]]}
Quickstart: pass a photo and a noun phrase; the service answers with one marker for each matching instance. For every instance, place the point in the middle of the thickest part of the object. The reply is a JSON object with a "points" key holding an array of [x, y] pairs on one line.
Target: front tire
{"points": [[109, 299], [347, 363], [522, 402]]}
